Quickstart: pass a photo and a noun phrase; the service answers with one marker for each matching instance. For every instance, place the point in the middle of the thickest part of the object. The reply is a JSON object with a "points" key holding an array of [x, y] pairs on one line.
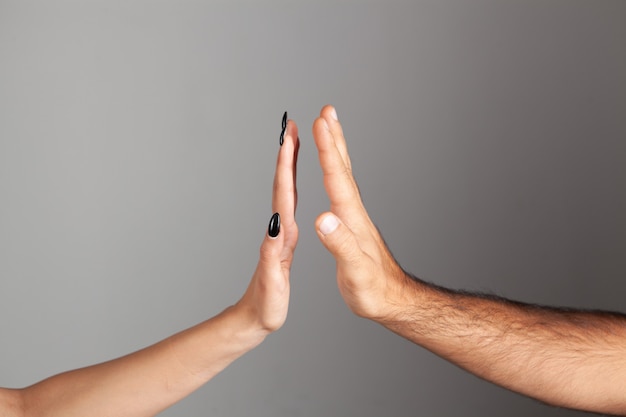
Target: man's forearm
{"points": [[148, 381], [563, 357], [566, 358]]}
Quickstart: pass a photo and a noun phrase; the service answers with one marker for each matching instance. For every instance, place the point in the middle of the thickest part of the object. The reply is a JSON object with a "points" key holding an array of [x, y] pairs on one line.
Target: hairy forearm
{"points": [[564, 357], [148, 381]]}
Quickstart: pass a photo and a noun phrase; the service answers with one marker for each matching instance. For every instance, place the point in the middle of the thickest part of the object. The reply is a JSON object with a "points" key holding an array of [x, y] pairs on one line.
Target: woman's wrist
{"points": [[205, 349], [243, 326]]}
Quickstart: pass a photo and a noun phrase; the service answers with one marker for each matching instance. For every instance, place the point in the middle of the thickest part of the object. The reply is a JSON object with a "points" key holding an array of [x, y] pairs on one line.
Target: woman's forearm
{"points": [[147, 381]]}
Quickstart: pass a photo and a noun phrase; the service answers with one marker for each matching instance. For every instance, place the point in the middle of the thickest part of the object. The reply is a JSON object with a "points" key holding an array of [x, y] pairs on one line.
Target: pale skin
{"points": [[573, 359], [148, 381]]}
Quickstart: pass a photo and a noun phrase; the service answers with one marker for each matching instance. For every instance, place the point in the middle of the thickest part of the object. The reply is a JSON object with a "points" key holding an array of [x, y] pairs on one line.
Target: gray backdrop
{"points": [[137, 147]]}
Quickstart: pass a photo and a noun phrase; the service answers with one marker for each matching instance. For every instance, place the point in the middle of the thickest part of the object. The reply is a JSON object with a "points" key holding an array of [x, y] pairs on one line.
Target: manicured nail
{"points": [[329, 224], [274, 227], [333, 114], [282, 133]]}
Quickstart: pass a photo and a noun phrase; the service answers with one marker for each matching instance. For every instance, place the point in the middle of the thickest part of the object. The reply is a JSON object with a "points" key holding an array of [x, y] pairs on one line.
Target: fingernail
{"points": [[329, 224], [274, 227], [284, 125], [333, 114]]}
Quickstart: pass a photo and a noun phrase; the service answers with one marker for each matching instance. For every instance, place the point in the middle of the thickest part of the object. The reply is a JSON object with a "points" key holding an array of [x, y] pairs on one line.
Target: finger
{"points": [[272, 244], [338, 181], [329, 113], [338, 239], [295, 171], [284, 189]]}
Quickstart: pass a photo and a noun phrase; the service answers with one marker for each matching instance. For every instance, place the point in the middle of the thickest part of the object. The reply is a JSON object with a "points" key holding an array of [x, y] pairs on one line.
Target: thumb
{"points": [[271, 246], [338, 239]]}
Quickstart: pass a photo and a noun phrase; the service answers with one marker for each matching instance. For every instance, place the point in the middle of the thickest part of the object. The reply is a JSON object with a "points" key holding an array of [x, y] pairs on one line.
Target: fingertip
{"points": [[288, 144], [292, 128], [291, 142], [327, 223], [328, 111]]}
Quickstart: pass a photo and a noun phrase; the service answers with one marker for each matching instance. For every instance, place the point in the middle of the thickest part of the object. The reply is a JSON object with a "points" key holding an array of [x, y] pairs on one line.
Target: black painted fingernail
{"points": [[282, 133], [274, 227]]}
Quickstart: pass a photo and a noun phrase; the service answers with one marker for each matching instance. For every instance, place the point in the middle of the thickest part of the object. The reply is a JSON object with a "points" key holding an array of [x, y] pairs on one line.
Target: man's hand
{"points": [[564, 357], [266, 300], [368, 276]]}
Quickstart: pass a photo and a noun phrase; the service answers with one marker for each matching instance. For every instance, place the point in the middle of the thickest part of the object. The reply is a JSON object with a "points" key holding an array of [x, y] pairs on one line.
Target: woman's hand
{"points": [[146, 382], [266, 300]]}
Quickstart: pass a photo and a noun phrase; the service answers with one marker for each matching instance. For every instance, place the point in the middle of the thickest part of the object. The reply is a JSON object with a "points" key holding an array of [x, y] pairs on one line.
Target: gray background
{"points": [[137, 147]]}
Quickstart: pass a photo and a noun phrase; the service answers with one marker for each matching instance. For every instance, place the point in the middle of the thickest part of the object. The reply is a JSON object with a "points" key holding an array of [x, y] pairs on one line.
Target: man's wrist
{"points": [[401, 294]]}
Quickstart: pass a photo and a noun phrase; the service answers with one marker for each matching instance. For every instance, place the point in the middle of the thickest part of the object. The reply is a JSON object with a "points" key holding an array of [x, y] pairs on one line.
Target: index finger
{"points": [[329, 113], [338, 180]]}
